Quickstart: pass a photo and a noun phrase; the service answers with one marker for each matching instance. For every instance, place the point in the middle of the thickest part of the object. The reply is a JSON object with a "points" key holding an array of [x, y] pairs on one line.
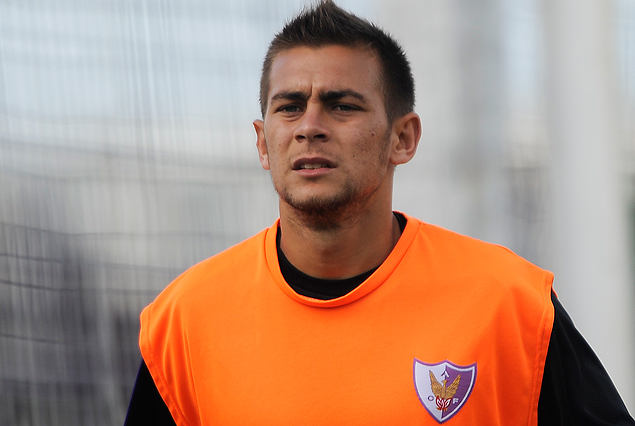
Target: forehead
{"points": [[309, 69]]}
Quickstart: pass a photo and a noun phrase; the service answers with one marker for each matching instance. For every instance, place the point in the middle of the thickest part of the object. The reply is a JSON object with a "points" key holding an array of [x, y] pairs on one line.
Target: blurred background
{"points": [[127, 154]]}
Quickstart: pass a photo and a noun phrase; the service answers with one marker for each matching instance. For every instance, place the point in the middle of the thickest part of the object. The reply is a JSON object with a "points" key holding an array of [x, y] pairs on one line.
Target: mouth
{"points": [[312, 164]]}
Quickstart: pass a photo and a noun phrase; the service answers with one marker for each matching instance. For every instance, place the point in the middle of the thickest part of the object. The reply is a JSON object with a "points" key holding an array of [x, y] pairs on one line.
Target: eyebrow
{"points": [[327, 96], [290, 96], [332, 95]]}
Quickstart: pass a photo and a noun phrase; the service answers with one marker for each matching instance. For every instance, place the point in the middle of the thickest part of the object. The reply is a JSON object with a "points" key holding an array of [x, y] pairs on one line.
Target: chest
{"points": [[394, 361]]}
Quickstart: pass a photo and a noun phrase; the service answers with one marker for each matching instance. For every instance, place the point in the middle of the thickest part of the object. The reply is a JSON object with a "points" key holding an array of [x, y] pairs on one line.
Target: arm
{"points": [[146, 405], [576, 389]]}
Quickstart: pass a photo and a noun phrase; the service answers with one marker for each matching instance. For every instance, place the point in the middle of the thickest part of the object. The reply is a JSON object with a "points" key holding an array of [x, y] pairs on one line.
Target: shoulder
{"points": [[213, 272], [441, 241], [198, 299], [465, 258], [208, 286]]}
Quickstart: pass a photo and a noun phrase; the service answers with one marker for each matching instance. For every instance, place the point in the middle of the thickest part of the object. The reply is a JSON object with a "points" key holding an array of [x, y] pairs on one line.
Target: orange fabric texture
{"points": [[230, 343]]}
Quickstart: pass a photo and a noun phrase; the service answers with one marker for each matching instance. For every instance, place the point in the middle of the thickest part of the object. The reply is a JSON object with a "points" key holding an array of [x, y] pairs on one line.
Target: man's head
{"points": [[336, 121], [327, 24]]}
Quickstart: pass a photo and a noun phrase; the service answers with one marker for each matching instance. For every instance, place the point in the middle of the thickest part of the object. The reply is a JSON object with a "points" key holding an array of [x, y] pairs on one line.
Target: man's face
{"points": [[325, 135]]}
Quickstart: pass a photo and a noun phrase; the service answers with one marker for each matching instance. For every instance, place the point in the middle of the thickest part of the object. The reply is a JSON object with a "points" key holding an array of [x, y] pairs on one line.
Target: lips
{"points": [[312, 164]]}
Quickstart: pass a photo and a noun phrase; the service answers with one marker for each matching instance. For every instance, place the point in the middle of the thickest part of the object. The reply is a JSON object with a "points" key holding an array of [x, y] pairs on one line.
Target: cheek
{"points": [[278, 160], [273, 146], [374, 143]]}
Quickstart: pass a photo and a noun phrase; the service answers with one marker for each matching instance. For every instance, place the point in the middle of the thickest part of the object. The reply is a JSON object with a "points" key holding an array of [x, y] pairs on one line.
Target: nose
{"points": [[312, 126]]}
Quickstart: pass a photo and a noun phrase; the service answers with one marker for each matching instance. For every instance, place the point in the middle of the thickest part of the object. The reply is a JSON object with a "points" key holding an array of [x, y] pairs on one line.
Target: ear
{"points": [[406, 135], [261, 144]]}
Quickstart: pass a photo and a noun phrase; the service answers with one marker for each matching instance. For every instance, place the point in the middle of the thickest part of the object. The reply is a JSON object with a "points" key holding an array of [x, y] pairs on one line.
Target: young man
{"points": [[345, 312]]}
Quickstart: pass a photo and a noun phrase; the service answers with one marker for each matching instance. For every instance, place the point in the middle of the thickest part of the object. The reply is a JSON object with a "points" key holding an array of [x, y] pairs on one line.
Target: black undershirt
{"points": [[576, 390], [319, 288]]}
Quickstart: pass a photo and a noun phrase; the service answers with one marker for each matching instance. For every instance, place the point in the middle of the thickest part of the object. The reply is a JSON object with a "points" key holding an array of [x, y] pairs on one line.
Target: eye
{"points": [[290, 109], [345, 107]]}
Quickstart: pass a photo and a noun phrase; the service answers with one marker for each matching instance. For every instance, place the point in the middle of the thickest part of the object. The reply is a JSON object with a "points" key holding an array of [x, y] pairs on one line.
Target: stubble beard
{"points": [[325, 213], [330, 212]]}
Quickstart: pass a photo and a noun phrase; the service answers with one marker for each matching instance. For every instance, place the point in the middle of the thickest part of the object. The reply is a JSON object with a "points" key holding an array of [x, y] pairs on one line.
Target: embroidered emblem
{"points": [[444, 387]]}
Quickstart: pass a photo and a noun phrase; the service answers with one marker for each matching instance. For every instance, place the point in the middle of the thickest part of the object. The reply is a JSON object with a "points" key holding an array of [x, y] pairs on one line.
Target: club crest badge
{"points": [[444, 387]]}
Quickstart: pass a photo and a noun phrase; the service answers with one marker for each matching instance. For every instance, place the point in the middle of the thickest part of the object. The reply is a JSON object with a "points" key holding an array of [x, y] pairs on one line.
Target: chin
{"points": [[322, 213]]}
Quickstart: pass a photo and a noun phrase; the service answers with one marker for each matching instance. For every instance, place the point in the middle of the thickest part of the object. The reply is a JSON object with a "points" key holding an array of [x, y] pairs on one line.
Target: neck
{"points": [[354, 246]]}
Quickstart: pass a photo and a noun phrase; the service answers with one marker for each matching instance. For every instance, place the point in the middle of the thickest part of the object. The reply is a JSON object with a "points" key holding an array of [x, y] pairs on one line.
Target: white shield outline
{"points": [[421, 373]]}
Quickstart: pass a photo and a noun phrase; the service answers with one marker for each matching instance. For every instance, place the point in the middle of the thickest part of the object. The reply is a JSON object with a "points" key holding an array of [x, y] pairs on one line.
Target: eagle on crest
{"points": [[442, 392]]}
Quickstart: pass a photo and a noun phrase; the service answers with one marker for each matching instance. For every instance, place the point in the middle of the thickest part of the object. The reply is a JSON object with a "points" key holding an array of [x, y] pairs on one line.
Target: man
{"points": [[345, 312]]}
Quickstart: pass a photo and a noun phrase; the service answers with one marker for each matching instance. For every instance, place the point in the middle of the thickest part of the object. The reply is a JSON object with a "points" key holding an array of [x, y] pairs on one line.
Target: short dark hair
{"points": [[327, 24]]}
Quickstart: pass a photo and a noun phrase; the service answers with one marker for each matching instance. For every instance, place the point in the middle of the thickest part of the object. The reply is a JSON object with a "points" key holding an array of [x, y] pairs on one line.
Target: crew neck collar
{"points": [[369, 283]]}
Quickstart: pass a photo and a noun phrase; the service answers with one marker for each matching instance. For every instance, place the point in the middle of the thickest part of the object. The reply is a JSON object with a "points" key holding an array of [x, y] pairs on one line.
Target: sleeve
{"points": [[146, 405], [576, 389]]}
